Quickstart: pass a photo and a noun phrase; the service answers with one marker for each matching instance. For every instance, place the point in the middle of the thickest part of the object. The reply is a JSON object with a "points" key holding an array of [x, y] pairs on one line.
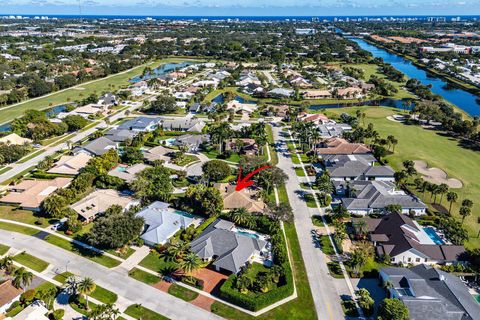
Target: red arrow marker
{"points": [[246, 182]]}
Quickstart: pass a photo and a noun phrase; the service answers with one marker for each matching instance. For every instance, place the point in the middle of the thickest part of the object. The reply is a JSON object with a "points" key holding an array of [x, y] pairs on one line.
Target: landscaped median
{"points": [[138, 312], [30, 261]]}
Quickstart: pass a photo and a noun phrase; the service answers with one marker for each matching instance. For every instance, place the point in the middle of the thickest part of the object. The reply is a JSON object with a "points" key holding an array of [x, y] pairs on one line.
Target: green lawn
{"points": [[416, 143], [91, 255], [157, 263], [112, 83], [124, 253], [186, 159], [138, 312], [317, 221], [3, 249], [326, 245], [104, 295], [143, 276], [17, 214], [309, 198], [30, 261], [299, 171], [213, 154], [182, 293], [62, 277], [16, 228]]}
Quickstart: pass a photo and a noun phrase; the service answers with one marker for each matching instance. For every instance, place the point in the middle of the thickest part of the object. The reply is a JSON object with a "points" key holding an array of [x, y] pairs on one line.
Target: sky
{"points": [[242, 7]]}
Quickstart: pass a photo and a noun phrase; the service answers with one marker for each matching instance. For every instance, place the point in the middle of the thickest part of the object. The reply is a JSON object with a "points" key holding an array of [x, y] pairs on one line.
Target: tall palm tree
{"points": [[22, 278], [239, 216], [71, 286], [465, 212], [6, 264], [86, 286], [178, 250], [190, 263], [442, 189], [451, 197]]}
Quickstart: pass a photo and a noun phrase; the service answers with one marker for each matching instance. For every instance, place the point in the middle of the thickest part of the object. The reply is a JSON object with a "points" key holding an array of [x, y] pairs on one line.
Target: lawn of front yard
{"points": [[157, 263], [30, 261], [3, 249], [182, 293], [446, 153], [19, 215], [143, 276], [138, 312]]}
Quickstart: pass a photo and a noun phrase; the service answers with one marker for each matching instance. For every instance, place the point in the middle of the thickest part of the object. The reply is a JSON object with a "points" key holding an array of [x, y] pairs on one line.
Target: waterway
{"points": [[161, 71], [461, 98]]}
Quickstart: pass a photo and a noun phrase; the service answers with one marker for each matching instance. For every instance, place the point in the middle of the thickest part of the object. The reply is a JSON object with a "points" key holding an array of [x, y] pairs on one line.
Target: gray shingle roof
{"points": [[232, 250], [120, 135], [140, 123], [98, 146], [433, 294]]}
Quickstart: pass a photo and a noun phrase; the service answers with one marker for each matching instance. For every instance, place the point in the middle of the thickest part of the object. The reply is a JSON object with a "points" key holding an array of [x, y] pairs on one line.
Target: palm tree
{"points": [[442, 189], [451, 197], [465, 212], [86, 287], [190, 263], [22, 278], [6, 264], [71, 286], [239, 216], [178, 250]]}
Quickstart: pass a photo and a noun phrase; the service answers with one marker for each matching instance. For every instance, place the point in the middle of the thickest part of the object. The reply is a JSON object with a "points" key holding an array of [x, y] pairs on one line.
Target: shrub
{"points": [[57, 314]]}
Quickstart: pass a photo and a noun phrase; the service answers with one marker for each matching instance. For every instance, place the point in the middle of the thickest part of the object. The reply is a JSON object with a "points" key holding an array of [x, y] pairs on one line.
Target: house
{"points": [[140, 124], [245, 198], [162, 222], [195, 108], [127, 173], [183, 95], [316, 118], [300, 82], [333, 129], [188, 124], [15, 139], [244, 146], [86, 111], [247, 79], [96, 147], [431, 294], [35, 311], [367, 197], [158, 153], [228, 248], [108, 99], [239, 107], [280, 111], [29, 194], [120, 135], [70, 164], [8, 294], [336, 146], [316, 94], [99, 201], [191, 142], [138, 89], [406, 242], [280, 93], [356, 167], [349, 93]]}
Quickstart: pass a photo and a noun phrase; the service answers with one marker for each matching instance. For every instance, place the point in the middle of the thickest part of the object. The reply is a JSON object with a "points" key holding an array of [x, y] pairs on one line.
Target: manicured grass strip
{"points": [[31, 262], [3, 249], [228, 312], [326, 245], [157, 263], [25, 216], [309, 198], [89, 254], [16, 228], [62, 277], [182, 293], [5, 169], [138, 312], [143, 276], [299, 171], [104, 295]]}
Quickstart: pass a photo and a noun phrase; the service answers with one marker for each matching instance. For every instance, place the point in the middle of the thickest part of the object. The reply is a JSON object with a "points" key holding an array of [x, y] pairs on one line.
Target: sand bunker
{"points": [[396, 118], [435, 175]]}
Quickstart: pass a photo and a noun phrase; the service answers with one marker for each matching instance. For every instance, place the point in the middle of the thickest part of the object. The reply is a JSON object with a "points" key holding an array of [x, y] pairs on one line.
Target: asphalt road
{"points": [[325, 294], [115, 280]]}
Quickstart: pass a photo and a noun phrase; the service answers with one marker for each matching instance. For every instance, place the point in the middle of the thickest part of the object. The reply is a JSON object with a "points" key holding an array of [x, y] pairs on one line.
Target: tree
{"points": [[132, 155], [392, 309], [53, 206], [104, 312], [282, 212], [190, 263], [22, 278], [204, 200], [324, 184], [216, 170], [271, 177], [442, 189], [240, 216], [451, 198], [116, 228], [153, 184], [365, 300], [75, 122], [6, 264], [465, 212], [163, 104], [86, 286]]}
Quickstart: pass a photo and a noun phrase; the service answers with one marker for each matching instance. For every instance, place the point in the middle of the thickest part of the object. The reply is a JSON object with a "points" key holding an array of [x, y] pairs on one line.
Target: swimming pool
{"points": [[432, 234], [168, 142], [248, 234]]}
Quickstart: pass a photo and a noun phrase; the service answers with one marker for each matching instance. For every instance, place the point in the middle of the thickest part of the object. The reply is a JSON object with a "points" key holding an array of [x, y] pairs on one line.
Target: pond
{"points": [[161, 70]]}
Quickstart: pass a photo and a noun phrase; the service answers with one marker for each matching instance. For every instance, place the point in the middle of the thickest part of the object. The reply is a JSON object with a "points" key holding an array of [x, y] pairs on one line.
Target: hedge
{"points": [[260, 301]]}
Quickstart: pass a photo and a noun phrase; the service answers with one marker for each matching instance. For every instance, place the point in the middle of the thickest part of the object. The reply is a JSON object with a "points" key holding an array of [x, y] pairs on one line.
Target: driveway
{"points": [[212, 280], [116, 280]]}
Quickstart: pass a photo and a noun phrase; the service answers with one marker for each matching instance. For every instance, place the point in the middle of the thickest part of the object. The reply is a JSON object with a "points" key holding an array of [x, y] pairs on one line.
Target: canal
{"points": [[461, 98]]}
